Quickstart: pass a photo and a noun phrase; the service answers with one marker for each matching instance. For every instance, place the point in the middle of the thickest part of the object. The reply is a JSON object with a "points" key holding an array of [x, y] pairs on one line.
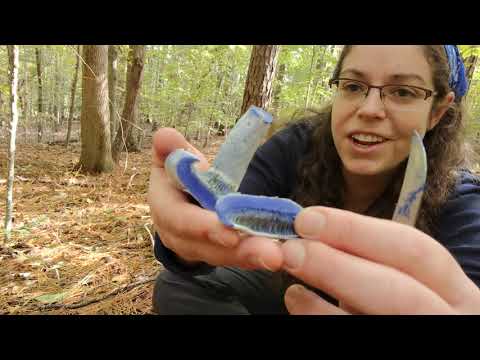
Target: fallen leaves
{"points": [[50, 298], [79, 241]]}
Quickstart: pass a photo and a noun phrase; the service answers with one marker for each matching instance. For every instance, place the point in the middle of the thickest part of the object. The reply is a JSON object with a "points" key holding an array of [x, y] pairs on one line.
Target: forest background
{"points": [[75, 133]]}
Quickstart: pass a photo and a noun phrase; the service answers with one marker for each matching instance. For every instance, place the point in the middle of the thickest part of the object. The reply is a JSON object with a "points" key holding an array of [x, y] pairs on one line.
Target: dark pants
{"points": [[225, 291]]}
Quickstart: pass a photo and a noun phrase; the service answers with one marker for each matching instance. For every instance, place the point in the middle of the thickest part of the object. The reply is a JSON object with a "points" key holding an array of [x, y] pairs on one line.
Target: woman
{"points": [[346, 166]]}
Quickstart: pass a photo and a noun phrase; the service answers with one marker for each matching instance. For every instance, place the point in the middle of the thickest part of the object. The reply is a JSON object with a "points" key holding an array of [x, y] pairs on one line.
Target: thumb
{"points": [[166, 140]]}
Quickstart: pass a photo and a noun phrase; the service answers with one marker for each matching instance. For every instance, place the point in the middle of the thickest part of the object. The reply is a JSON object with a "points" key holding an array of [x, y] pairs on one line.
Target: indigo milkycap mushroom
{"points": [[259, 215], [205, 187], [414, 183], [230, 164]]}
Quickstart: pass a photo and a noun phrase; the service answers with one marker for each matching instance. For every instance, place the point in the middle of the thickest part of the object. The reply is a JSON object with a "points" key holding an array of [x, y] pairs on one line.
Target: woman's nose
{"points": [[372, 105]]}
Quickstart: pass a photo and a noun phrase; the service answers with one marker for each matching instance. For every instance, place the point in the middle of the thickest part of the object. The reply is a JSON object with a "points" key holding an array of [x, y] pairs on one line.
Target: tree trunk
{"points": [[72, 97], [261, 71], [189, 107], [38, 55], [56, 97], [61, 100], [220, 79], [21, 91], [26, 110], [124, 138], [95, 127], [278, 89], [320, 70], [156, 85], [132, 141], [13, 72], [112, 87], [309, 87], [470, 64]]}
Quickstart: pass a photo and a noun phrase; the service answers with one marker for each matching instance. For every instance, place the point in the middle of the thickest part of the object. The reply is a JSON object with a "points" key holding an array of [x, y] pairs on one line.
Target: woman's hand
{"points": [[193, 233], [372, 266]]}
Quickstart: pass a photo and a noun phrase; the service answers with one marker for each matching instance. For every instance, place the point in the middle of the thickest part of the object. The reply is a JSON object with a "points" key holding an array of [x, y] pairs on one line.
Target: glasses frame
{"points": [[428, 92]]}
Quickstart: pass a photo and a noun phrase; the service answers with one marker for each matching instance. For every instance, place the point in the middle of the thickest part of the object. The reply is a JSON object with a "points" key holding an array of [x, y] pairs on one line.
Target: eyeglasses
{"points": [[394, 97]]}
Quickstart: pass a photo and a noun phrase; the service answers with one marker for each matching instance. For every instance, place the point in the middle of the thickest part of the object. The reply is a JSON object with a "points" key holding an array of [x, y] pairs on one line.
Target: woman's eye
{"points": [[403, 92], [352, 87]]}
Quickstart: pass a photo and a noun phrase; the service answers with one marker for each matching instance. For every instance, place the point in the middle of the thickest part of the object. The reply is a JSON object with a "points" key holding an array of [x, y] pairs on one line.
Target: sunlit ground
{"points": [[80, 244]]}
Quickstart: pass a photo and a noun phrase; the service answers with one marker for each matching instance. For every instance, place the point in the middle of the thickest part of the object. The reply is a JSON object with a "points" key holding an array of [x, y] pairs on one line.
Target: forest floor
{"points": [[81, 244]]}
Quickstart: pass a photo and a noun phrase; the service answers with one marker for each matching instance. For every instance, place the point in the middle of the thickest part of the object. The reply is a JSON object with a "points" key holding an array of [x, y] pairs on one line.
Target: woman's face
{"points": [[372, 138]]}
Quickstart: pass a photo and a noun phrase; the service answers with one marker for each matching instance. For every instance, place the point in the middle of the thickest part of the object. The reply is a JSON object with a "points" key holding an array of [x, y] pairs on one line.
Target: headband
{"points": [[457, 80]]}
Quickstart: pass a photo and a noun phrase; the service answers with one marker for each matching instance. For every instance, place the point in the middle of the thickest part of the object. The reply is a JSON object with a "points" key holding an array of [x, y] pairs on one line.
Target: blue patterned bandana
{"points": [[457, 80]]}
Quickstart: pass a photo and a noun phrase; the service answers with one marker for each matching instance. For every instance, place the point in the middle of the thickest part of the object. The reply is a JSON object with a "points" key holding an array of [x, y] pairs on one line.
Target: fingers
{"points": [[301, 301], [170, 209], [349, 309], [196, 234], [395, 245], [166, 140], [251, 253], [172, 213], [193, 233], [369, 287], [263, 253], [199, 223]]}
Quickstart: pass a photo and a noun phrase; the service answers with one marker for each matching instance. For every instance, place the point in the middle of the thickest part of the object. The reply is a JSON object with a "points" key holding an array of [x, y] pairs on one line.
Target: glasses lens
{"points": [[351, 90], [395, 97], [403, 97]]}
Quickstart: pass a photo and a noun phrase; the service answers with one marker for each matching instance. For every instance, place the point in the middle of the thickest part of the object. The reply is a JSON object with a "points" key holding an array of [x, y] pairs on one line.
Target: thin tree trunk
{"points": [[278, 89], [95, 127], [21, 91], [72, 98], [124, 138], [38, 55], [309, 87], [470, 64], [189, 109], [156, 86], [13, 72], [56, 108], [61, 100], [26, 114], [320, 67], [215, 104], [261, 71], [112, 88]]}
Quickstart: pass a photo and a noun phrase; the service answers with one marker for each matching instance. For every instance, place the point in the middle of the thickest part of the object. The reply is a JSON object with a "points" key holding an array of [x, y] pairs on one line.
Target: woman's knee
{"points": [[177, 295], [167, 288]]}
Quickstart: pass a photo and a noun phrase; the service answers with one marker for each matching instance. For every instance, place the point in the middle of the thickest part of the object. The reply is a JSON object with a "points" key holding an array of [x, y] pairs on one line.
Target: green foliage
{"points": [[472, 103], [186, 86], [305, 67], [469, 50], [191, 87]]}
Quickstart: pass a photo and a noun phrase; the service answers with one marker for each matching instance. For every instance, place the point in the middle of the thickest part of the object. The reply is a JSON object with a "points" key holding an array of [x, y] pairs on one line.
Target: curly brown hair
{"points": [[320, 176]]}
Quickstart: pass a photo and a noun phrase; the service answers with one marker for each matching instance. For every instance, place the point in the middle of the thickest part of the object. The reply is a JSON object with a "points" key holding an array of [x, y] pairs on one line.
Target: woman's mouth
{"points": [[367, 141]]}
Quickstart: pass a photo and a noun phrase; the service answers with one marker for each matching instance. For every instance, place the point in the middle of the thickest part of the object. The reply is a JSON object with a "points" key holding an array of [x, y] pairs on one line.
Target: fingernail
{"points": [[310, 223], [258, 262], [295, 293], [294, 254]]}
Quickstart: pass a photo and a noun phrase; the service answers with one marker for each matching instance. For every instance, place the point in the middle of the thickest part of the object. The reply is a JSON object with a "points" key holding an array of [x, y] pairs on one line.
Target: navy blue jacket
{"points": [[272, 172]]}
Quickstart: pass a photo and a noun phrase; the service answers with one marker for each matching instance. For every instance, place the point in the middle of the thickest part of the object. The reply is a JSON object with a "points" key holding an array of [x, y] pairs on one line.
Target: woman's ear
{"points": [[440, 110]]}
